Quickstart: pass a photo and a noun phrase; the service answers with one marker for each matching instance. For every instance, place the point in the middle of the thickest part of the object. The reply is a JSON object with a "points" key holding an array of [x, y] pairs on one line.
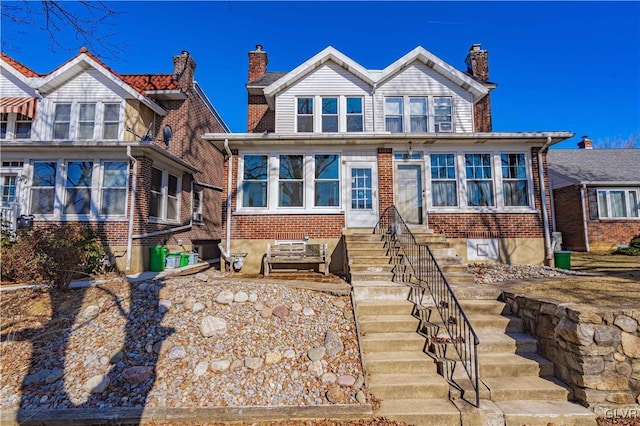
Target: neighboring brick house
{"points": [[330, 145], [596, 196], [78, 141]]}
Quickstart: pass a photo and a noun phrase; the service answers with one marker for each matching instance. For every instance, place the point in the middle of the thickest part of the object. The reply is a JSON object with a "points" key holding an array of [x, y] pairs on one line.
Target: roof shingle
{"points": [[596, 165]]}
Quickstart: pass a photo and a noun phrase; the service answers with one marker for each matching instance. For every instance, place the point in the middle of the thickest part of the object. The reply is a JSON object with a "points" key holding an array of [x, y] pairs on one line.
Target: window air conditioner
{"points": [[443, 127]]}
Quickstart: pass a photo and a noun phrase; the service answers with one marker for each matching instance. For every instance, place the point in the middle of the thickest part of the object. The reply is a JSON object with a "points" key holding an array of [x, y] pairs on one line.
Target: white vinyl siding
{"points": [[418, 80], [328, 80]]}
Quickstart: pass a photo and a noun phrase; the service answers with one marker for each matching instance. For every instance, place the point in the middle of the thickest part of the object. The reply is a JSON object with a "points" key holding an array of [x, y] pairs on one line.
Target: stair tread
{"points": [[522, 383], [400, 379], [388, 318], [544, 408], [409, 335], [415, 406], [493, 336], [502, 358], [408, 356]]}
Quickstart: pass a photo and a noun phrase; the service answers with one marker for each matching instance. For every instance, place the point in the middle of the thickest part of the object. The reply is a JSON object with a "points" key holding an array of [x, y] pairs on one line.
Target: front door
{"points": [[362, 195], [409, 192]]}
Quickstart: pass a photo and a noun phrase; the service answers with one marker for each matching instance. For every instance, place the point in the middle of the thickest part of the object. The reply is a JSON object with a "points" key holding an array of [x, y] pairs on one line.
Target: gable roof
{"points": [[146, 82], [18, 66], [596, 166], [420, 54]]}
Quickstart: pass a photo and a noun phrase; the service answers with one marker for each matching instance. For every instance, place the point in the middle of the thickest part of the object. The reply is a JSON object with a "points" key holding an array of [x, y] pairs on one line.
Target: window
{"points": [[618, 203], [86, 121], [291, 181], [442, 114], [197, 205], [4, 118], [443, 180], [305, 115], [165, 192], [327, 180], [514, 180], [9, 185], [114, 188], [23, 127], [62, 121], [329, 114], [78, 187], [254, 182], [393, 114], [354, 115], [418, 111], [361, 189], [43, 187], [111, 121], [479, 180]]}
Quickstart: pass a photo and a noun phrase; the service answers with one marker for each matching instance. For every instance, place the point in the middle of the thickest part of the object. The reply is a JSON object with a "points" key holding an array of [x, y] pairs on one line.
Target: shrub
{"points": [[55, 254], [632, 250]]}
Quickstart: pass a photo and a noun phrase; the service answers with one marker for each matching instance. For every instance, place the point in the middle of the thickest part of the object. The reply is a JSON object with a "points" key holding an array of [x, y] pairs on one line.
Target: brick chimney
{"points": [[258, 61], [585, 143], [478, 65], [183, 69]]}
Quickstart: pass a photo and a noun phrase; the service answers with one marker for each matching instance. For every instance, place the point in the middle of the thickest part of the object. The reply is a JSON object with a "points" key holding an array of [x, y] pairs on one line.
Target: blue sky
{"points": [[560, 66]]}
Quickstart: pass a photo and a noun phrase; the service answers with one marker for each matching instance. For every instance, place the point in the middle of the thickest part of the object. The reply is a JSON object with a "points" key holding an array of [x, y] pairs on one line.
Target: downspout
{"points": [[373, 104], [131, 207], [543, 195], [229, 186], [583, 194]]}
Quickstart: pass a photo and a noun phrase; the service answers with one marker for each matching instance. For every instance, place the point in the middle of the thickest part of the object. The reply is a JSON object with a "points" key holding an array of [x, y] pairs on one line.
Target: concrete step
{"points": [[387, 323], [525, 388], [492, 342], [383, 307], [354, 252], [388, 342], [378, 290], [497, 322], [424, 412], [452, 267], [367, 276], [442, 253], [454, 278], [471, 307], [404, 386], [512, 365], [374, 260], [407, 362], [543, 413], [474, 291]]}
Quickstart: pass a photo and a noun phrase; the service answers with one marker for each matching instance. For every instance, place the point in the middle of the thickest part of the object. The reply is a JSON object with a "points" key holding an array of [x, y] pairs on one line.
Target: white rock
{"points": [[315, 368], [289, 353], [253, 298], [164, 305], [308, 312], [91, 312], [211, 326], [225, 297], [197, 307], [96, 384], [201, 277], [272, 358], [240, 297], [201, 369], [296, 307], [220, 365]]}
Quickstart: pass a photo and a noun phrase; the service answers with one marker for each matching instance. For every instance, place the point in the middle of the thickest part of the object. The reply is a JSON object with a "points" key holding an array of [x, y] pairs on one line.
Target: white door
{"points": [[362, 195], [409, 192]]}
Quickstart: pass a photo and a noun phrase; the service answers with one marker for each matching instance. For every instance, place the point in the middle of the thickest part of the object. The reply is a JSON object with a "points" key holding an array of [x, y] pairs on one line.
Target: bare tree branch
{"points": [[619, 142]]}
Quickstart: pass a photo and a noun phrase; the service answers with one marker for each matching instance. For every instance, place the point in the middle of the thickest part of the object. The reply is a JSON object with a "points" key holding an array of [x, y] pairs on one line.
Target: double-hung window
{"points": [[329, 115], [78, 188], [4, 122], [255, 178], [197, 205], [9, 185], [15, 126], [305, 115], [443, 180], [113, 192], [62, 121], [327, 180], [111, 121], [618, 203], [418, 115], [355, 122], [86, 121], [291, 181], [393, 114], [43, 185], [443, 115], [479, 179], [23, 127], [165, 192], [514, 180]]}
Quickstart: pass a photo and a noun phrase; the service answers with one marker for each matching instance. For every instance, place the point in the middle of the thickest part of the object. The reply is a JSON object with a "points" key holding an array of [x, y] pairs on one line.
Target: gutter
{"points": [[543, 195], [583, 195], [131, 207]]}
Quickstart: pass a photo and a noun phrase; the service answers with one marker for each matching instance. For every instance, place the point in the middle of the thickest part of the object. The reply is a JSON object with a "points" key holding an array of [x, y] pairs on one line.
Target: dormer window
{"points": [[111, 122], [15, 126], [86, 121], [417, 113], [62, 121], [329, 115], [355, 122], [305, 115], [393, 114], [442, 114], [336, 114]]}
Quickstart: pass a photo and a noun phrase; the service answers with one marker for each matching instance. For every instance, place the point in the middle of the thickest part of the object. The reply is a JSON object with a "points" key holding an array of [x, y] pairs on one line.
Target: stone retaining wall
{"points": [[595, 350]]}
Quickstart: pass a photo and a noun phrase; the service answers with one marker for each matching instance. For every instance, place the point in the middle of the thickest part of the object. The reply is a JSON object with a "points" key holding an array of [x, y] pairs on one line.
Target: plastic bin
{"points": [[173, 260], [562, 259], [184, 259], [157, 258], [193, 258]]}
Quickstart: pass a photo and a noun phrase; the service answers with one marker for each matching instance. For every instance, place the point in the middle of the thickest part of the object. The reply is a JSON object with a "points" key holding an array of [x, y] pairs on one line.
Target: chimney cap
{"points": [[258, 48], [475, 46], [185, 53]]}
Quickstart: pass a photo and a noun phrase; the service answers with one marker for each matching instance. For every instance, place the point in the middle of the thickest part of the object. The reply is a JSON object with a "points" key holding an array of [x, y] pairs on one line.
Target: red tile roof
{"points": [[24, 70], [151, 81]]}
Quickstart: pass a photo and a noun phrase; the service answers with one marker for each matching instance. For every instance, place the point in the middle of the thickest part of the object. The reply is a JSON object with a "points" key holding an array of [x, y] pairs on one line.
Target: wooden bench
{"points": [[296, 251]]}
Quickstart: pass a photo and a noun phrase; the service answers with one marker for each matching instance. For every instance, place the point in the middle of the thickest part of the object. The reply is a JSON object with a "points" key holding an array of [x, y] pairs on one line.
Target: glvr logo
{"points": [[622, 413]]}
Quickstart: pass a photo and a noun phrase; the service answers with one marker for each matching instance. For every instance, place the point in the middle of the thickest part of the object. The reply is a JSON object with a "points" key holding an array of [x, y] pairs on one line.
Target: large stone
{"points": [[315, 368], [54, 375], [316, 354], [280, 311], [335, 395], [575, 332], [164, 305], [240, 297], [201, 369], [253, 363], [620, 398], [90, 312], [624, 369], [137, 374], [606, 335], [219, 365], [202, 277], [266, 312], [346, 380], [328, 378], [96, 384], [225, 297], [626, 323], [197, 307], [271, 358], [212, 326], [333, 343], [177, 352], [188, 303], [630, 345]]}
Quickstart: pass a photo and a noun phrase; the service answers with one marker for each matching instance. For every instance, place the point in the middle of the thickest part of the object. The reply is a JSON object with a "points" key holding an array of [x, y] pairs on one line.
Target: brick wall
{"points": [[267, 226], [502, 225], [568, 214], [385, 178], [261, 118], [607, 234]]}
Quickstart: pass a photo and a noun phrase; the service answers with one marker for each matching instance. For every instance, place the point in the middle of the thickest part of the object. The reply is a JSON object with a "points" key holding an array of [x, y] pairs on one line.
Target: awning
{"points": [[24, 106]]}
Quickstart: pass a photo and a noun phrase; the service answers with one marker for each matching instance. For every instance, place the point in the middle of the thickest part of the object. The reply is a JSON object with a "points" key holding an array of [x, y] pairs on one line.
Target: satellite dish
{"points": [[167, 134]]}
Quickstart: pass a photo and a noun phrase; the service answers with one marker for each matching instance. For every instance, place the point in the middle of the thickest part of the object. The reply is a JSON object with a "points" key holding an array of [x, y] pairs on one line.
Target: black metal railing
{"points": [[428, 275]]}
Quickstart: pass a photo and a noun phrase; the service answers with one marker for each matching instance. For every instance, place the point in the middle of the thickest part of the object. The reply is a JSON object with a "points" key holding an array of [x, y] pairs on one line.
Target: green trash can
{"points": [[562, 259], [184, 259], [157, 257]]}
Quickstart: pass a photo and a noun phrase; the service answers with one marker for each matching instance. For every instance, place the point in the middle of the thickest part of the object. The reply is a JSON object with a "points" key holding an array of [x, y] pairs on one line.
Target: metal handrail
{"points": [[429, 275]]}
